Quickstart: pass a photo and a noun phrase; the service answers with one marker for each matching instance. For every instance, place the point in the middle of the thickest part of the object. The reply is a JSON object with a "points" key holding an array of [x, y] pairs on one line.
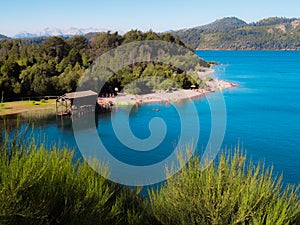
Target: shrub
{"points": [[132, 88], [36, 103], [40, 186], [229, 191]]}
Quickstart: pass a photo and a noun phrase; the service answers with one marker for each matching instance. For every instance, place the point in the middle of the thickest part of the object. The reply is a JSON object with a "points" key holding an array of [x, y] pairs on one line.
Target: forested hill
{"points": [[52, 66], [232, 33], [2, 36]]}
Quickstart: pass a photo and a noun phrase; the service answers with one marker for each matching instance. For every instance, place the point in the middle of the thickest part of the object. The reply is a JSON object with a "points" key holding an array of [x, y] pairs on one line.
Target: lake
{"points": [[263, 112], [262, 115]]}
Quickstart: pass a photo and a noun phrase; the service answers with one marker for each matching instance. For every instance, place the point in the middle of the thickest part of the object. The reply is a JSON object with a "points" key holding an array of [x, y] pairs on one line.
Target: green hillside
{"points": [[53, 65], [233, 33], [2, 36]]}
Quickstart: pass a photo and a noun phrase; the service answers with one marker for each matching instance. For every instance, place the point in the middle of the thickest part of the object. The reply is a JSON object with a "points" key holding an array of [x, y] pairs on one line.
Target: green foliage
{"points": [[273, 21], [230, 191], [171, 63], [154, 77], [167, 85], [36, 103], [79, 43], [30, 70], [54, 65], [40, 186], [232, 33], [103, 42], [133, 88], [134, 35]]}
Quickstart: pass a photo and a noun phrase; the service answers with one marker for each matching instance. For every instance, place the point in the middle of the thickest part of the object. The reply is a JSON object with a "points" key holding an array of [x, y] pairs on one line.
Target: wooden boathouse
{"points": [[78, 103]]}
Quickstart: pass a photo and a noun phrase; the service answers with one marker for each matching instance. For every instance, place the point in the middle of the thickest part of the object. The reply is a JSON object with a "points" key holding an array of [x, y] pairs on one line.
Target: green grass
{"points": [[25, 106]]}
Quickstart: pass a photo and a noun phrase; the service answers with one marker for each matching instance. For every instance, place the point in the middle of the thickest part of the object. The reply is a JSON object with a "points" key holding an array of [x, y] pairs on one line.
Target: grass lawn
{"points": [[7, 108]]}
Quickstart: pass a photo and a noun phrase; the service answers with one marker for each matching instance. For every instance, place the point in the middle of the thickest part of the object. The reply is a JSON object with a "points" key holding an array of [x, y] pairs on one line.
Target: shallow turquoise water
{"points": [[262, 114]]}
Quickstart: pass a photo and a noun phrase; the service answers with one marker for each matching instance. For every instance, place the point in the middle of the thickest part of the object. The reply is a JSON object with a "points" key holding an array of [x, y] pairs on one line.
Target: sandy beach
{"points": [[174, 96]]}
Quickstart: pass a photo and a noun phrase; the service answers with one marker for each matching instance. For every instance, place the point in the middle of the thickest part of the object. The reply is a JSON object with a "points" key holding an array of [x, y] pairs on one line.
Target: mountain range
{"points": [[2, 36], [227, 33], [52, 31], [234, 33]]}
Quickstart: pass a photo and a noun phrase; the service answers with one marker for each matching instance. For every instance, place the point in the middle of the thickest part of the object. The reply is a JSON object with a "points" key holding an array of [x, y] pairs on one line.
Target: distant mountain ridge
{"points": [[222, 25], [234, 33], [2, 36], [53, 31]]}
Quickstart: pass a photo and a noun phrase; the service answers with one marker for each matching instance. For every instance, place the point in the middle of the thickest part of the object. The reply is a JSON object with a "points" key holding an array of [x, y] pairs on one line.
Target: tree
{"points": [[133, 35], [103, 42], [39, 76], [9, 77], [53, 65], [80, 43], [55, 48]]}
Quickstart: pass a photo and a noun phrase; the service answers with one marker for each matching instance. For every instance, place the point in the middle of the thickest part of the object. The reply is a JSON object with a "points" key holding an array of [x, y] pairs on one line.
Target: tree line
{"points": [[53, 66], [231, 33]]}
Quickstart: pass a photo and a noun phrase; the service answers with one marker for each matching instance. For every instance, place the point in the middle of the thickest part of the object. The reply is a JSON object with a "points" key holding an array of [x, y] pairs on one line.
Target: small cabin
{"points": [[76, 103]]}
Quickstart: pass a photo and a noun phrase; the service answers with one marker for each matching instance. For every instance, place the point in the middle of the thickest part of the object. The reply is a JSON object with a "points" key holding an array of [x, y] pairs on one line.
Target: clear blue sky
{"points": [[160, 15]]}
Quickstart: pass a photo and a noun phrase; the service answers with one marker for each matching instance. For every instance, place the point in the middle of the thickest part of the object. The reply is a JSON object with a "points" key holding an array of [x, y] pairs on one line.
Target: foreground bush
{"points": [[38, 186], [230, 191]]}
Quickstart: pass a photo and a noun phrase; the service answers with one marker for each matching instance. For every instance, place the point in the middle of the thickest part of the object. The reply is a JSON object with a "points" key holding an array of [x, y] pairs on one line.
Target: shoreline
{"points": [[167, 97], [123, 99], [275, 50], [19, 107]]}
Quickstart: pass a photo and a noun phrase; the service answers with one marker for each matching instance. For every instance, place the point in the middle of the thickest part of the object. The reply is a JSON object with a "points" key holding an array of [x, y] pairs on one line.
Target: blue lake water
{"points": [[262, 114]]}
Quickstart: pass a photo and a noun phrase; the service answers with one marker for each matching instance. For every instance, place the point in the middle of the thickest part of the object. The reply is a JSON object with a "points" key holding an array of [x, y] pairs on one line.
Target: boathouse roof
{"points": [[79, 94]]}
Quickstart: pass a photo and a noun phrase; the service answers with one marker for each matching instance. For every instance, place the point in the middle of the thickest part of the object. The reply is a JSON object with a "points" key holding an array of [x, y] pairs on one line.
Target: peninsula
{"points": [[52, 66]]}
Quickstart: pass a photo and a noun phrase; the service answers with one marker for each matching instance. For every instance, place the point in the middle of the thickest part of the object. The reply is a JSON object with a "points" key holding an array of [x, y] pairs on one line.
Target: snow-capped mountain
{"points": [[52, 31], [24, 34]]}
